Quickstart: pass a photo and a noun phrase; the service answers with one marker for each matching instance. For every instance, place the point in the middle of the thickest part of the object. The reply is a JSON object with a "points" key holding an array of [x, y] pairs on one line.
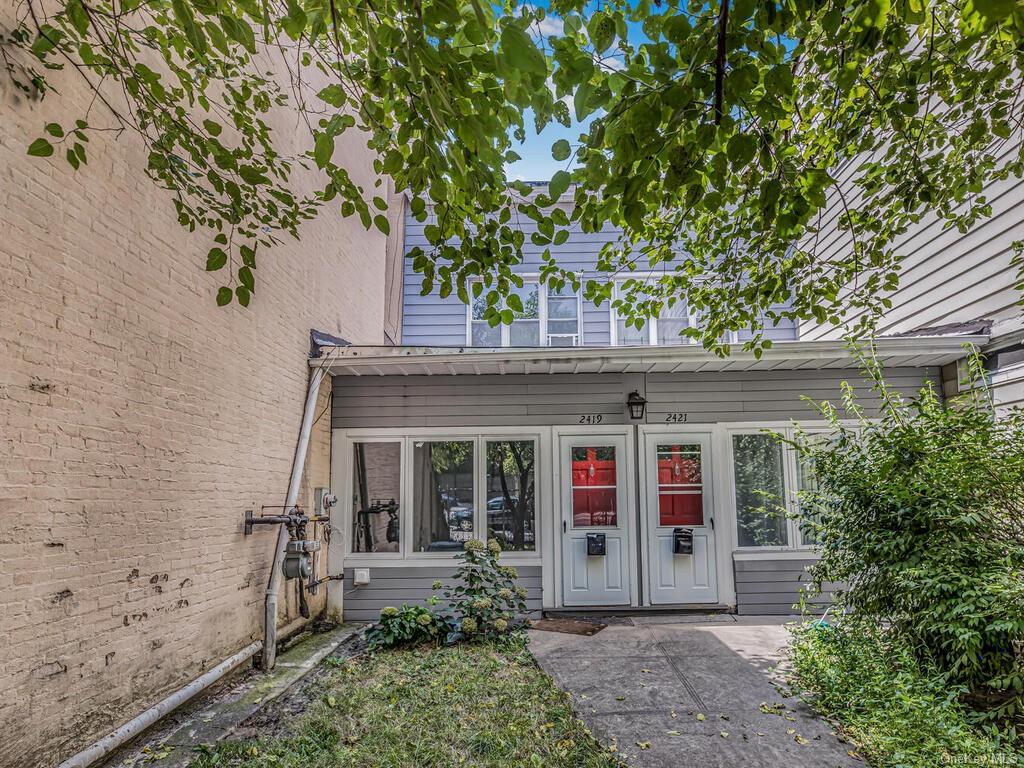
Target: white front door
{"points": [[594, 482], [676, 496]]}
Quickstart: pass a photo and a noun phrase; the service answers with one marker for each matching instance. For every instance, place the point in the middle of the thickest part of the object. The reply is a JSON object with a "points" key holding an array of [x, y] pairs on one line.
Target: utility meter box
{"points": [[361, 577], [298, 558], [682, 541], [596, 544]]}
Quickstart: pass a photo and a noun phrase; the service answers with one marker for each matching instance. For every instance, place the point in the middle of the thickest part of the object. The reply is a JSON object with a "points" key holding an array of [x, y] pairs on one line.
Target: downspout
{"points": [[138, 724], [276, 569]]}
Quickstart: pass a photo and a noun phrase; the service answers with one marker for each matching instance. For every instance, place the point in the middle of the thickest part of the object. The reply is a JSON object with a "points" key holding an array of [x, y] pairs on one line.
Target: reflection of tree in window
{"points": [[511, 494], [757, 459], [443, 514]]}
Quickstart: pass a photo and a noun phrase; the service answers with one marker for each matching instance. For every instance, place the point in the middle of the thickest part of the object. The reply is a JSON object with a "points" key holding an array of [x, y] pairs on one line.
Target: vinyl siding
{"points": [[429, 320], [947, 276], [772, 587], [412, 584], [562, 399]]}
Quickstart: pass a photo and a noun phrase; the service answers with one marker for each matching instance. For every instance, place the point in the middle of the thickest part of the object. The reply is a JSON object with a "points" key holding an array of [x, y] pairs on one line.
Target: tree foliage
{"points": [[920, 516], [717, 133]]}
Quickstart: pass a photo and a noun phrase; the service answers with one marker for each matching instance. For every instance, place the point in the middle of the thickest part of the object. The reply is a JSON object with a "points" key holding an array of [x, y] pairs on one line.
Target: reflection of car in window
{"points": [[498, 503], [461, 517]]}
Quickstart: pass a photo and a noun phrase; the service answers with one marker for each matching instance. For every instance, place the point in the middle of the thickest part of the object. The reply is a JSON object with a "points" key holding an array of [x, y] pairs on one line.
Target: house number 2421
{"points": [[675, 418]]}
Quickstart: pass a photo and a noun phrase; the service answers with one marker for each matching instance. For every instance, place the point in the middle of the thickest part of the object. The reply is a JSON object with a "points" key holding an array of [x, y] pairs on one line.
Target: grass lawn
{"points": [[474, 705]]}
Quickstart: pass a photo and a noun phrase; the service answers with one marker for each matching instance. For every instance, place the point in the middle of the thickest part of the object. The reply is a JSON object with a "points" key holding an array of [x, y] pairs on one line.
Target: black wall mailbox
{"points": [[682, 541], [595, 544]]}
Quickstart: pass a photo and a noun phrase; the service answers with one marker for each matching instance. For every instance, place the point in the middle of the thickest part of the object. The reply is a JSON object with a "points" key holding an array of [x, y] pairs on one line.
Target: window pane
{"points": [[442, 495], [530, 296], [562, 308], [511, 499], [485, 336], [479, 307], [376, 475], [631, 336], [562, 327], [524, 333], [680, 489], [806, 482], [759, 490], [671, 321], [594, 478]]}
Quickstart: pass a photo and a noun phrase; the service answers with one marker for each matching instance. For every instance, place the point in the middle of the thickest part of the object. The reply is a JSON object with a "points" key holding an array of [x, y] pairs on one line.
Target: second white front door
{"points": [[676, 499]]}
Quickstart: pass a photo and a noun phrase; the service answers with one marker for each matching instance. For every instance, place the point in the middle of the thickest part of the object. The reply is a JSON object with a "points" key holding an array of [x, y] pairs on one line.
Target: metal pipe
{"points": [[298, 464], [141, 722]]}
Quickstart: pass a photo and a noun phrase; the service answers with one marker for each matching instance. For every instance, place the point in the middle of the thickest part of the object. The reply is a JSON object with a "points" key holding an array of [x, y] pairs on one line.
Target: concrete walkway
{"points": [[686, 691]]}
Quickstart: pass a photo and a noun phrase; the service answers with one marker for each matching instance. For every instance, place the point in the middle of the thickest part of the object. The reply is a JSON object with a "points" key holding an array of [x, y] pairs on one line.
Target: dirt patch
{"points": [[568, 626], [278, 716]]}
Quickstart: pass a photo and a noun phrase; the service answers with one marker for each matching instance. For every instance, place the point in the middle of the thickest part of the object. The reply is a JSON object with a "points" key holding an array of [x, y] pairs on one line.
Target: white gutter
{"points": [[298, 464], [138, 724]]}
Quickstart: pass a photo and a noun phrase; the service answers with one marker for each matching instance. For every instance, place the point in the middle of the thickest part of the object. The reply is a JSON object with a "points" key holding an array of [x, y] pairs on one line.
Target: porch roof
{"points": [[892, 352]]}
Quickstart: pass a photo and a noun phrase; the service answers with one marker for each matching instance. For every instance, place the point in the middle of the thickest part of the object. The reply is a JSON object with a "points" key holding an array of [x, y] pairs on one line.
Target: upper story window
{"points": [[550, 318], [662, 331]]}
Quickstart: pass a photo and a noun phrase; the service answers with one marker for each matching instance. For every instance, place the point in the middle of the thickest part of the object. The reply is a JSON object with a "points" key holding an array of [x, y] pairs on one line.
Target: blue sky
{"points": [[537, 163]]}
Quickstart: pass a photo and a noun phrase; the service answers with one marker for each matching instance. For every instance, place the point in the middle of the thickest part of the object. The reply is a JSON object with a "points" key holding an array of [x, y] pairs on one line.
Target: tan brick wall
{"points": [[137, 422]]}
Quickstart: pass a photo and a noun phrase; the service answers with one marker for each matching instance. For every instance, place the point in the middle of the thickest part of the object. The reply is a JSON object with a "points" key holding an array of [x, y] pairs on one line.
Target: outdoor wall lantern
{"points": [[636, 404]]}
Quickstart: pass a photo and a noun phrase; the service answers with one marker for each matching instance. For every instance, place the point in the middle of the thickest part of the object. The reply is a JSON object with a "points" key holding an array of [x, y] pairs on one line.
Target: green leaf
{"points": [[382, 224], [40, 148], [54, 129], [520, 52], [246, 278], [243, 295], [216, 258], [323, 149], [333, 95], [212, 127], [559, 184], [561, 150], [239, 31], [193, 33], [223, 296], [601, 29], [48, 39]]}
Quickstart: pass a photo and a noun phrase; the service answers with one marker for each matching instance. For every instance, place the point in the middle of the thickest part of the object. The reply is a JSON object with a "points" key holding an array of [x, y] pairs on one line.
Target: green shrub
{"points": [[920, 513], [899, 714], [483, 604], [485, 601], [408, 625]]}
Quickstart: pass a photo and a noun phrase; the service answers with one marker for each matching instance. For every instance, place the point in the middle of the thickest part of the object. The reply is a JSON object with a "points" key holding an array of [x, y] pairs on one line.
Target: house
{"points": [[618, 469]]}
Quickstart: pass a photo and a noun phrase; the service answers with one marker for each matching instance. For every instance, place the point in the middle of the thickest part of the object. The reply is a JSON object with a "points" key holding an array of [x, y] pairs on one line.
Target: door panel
{"points": [[593, 475], [677, 494]]}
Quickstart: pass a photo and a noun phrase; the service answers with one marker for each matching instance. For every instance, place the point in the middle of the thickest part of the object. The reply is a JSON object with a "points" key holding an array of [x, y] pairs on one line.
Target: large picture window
{"points": [[443, 517], [511, 494], [376, 490]]}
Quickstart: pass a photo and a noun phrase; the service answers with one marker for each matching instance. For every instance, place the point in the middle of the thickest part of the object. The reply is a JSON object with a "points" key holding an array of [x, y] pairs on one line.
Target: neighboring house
{"points": [[139, 421], [659, 508]]}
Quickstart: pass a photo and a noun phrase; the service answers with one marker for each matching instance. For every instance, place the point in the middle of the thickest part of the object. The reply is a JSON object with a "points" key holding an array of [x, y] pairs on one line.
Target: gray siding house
{"points": [[534, 434]]}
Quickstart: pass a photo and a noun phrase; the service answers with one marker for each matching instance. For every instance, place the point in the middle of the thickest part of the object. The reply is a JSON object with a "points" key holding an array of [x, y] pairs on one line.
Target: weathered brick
{"points": [[138, 421]]}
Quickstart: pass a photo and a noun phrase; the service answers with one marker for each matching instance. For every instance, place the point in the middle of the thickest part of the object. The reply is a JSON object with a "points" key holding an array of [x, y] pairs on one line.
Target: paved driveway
{"points": [[687, 691]]}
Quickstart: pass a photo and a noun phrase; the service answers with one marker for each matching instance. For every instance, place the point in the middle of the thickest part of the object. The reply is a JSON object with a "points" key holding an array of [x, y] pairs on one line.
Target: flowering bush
{"points": [[485, 602], [409, 624]]}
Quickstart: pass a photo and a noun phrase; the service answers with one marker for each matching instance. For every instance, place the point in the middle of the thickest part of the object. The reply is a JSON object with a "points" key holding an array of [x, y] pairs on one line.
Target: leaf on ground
{"points": [[644, 744], [700, 717]]}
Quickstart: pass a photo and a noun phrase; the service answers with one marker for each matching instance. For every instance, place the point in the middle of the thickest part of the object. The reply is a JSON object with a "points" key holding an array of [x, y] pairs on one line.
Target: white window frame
{"points": [[542, 314], [692, 318], [407, 437]]}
